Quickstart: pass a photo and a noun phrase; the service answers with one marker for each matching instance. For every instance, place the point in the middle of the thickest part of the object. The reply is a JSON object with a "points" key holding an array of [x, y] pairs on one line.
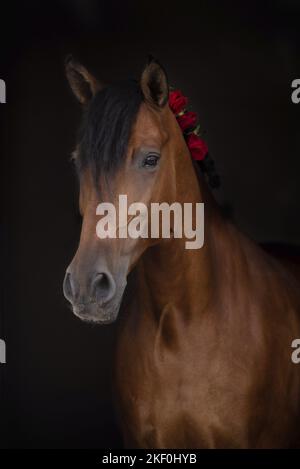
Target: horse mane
{"points": [[106, 125]]}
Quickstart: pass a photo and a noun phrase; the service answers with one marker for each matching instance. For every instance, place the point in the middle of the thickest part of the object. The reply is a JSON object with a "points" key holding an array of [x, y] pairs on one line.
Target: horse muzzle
{"points": [[93, 312], [94, 298]]}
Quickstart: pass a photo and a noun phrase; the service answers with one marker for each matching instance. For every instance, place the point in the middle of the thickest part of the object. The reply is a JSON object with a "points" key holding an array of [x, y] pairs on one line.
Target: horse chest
{"points": [[153, 393], [152, 404], [175, 399]]}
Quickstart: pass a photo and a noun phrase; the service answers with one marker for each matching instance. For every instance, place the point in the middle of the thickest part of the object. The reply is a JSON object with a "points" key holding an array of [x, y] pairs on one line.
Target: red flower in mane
{"points": [[188, 120], [197, 147], [177, 101]]}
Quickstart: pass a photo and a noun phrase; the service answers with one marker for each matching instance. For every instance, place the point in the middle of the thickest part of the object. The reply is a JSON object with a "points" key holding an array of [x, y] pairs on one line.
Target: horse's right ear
{"points": [[83, 84]]}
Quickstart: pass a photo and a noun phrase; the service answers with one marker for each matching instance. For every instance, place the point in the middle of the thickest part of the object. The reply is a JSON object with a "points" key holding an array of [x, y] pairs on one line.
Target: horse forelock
{"points": [[106, 127]]}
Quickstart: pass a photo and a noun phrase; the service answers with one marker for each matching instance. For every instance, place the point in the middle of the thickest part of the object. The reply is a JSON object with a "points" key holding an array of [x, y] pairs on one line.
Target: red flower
{"points": [[197, 147], [187, 120], [177, 101]]}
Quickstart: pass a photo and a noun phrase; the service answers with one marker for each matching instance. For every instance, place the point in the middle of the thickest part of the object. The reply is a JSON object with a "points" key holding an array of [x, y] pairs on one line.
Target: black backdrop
{"points": [[236, 62]]}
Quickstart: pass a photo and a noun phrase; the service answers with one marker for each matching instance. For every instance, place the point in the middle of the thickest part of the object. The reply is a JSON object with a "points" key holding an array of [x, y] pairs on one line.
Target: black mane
{"points": [[106, 126]]}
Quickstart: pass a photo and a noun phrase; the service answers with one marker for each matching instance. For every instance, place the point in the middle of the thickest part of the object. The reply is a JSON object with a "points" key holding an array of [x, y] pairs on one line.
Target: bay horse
{"points": [[203, 357]]}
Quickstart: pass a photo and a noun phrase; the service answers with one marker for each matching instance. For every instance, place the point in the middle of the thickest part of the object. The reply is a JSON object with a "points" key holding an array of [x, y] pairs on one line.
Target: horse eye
{"points": [[151, 161]]}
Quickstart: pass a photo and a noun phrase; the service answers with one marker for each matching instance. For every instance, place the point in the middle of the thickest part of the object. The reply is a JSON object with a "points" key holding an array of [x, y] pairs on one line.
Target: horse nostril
{"points": [[68, 287], [104, 287]]}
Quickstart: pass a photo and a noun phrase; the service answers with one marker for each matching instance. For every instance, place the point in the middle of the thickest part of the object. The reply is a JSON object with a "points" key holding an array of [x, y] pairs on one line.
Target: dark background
{"points": [[236, 62]]}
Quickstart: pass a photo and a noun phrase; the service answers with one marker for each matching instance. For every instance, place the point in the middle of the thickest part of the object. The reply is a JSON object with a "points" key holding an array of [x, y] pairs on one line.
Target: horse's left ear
{"points": [[154, 84], [83, 84]]}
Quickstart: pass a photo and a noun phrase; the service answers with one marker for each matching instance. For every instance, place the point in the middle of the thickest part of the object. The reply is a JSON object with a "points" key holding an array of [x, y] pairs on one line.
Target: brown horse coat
{"points": [[204, 348]]}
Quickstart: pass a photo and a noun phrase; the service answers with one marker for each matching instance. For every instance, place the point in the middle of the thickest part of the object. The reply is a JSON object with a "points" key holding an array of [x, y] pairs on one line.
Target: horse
{"points": [[203, 354]]}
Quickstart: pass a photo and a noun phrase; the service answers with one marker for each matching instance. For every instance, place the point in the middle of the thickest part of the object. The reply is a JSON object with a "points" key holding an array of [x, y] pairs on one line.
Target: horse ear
{"points": [[154, 84], [83, 84]]}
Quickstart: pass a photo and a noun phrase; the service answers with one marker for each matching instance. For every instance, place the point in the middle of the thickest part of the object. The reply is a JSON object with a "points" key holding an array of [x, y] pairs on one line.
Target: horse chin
{"points": [[95, 313]]}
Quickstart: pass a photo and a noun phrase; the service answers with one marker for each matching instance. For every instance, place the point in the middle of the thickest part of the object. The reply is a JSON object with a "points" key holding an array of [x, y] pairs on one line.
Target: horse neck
{"points": [[171, 275]]}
